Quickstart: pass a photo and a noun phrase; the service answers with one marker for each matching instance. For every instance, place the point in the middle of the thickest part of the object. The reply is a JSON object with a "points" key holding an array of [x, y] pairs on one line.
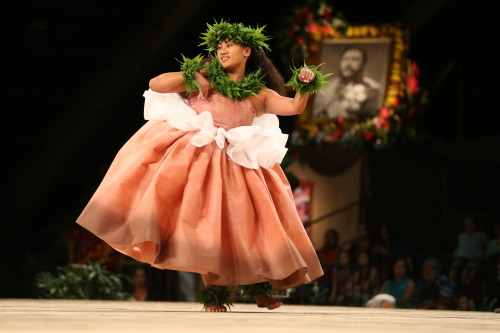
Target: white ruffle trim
{"points": [[261, 144]]}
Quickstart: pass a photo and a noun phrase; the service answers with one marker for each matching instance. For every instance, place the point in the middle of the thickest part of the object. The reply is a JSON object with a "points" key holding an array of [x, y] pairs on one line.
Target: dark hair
{"points": [[273, 79], [434, 262], [363, 53]]}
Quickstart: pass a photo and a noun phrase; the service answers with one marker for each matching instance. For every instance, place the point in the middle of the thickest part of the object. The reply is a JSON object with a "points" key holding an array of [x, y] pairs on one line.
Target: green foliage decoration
{"points": [[251, 290], [220, 295], [79, 281], [313, 87], [236, 32], [188, 68], [249, 86]]}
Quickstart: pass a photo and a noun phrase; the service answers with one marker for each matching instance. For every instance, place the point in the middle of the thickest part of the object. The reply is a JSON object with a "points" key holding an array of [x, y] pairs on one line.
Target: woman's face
{"points": [[363, 259], [331, 238], [399, 269], [344, 258], [232, 55]]}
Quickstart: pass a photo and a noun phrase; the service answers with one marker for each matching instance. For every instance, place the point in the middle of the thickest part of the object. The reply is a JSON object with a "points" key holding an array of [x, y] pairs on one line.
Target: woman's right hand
{"points": [[203, 83]]}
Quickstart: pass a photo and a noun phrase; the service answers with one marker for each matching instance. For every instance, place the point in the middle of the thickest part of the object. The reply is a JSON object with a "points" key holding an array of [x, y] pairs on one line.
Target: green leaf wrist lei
{"points": [[313, 87]]}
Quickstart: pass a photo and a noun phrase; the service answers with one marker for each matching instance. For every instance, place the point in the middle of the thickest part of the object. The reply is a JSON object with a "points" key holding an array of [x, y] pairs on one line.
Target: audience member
{"points": [[469, 254], [386, 248], [327, 256], [382, 301], [140, 289], [364, 280], [435, 290], [401, 286], [362, 241], [341, 276], [493, 255]]}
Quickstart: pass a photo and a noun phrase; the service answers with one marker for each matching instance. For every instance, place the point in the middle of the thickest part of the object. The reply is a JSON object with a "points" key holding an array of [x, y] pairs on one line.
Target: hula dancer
{"points": [[199, 186]]}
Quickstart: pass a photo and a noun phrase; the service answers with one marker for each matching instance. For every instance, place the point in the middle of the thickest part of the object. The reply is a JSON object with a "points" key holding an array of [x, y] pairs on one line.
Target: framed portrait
{"points": [[302, 196], [357, 87]]}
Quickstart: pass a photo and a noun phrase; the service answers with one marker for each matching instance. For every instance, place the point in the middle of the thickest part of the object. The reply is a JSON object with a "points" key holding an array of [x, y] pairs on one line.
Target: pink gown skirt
{"points": [[174, 205]]}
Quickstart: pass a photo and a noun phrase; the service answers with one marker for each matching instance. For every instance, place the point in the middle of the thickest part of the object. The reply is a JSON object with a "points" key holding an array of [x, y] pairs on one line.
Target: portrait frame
{"points": [[376, 73], [303, 198], [401, 96]]}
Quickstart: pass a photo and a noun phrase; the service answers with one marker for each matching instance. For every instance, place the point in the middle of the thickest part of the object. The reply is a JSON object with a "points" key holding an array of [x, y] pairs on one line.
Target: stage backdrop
{"points": [[330, 193]]}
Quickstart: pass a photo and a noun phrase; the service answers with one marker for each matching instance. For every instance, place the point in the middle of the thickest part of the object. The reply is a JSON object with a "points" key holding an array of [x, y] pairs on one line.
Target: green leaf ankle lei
{"points": [[220, 295], [220, 81], [313, 87], [251, 290]]}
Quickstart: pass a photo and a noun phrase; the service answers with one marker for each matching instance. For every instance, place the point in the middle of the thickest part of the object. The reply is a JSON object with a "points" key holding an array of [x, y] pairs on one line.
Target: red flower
{"points": [[328, 14], [340, 120], [369, 136], [300, 41], [338, 134], [384, 112], [396, 102], [413, 85], [415, 69], [385, 124], [304, 10], [312, 28], [310, 16], [291, 32], [325, 30]]}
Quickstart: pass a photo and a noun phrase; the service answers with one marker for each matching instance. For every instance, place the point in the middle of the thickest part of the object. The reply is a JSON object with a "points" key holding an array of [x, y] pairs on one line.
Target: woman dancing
{"points": [[199, 187]]}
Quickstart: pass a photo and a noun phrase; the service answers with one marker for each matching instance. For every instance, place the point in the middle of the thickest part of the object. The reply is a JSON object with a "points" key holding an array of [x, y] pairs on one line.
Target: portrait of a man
{"points": [[357, 87]]}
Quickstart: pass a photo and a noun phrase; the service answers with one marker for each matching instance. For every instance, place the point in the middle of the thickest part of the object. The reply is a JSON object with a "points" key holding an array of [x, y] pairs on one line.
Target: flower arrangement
{"points": [[84, 247], [301, 36]]}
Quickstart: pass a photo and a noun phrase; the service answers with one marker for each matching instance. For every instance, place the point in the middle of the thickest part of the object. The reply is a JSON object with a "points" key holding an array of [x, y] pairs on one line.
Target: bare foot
{"points": [[213, 307], [264, 301]]}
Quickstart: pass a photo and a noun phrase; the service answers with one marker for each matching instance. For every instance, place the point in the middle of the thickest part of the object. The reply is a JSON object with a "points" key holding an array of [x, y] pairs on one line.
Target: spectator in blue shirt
{"points": [[435, 290]]}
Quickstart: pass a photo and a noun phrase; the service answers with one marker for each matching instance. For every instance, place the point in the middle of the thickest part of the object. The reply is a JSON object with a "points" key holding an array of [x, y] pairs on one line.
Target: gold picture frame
{"points": [[357, 88]]}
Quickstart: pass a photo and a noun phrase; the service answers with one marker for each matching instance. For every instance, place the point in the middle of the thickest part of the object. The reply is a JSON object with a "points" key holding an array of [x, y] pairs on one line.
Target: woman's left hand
{"points": [[306, 75]]}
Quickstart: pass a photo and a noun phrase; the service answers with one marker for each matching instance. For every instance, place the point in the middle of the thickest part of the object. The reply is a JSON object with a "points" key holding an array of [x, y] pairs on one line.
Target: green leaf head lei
{"points": [[236, 32]]}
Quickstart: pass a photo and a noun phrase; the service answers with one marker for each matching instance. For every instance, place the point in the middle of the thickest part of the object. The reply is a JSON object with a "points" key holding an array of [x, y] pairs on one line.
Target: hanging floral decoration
{"points": [[301, 35], [85, 247]]}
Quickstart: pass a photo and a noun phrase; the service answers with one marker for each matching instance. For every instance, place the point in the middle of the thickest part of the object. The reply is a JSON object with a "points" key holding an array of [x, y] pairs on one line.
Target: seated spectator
{"points": [[362, 242], [364, 280], [435, 290], [469, 254], [386, 248], [140, 289], [382, 301], [493, 255], [327, 256], [401, 286], [341, 276]]}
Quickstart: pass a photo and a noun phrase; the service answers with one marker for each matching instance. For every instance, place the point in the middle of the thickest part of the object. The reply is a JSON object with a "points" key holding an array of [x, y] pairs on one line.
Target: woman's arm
{"points": [[410, 289], [167, 83], [282, 106], [285, 106], [384, 287]]}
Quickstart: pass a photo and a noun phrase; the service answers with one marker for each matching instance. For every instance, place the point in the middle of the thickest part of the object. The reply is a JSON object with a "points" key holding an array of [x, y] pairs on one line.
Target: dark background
{"points": [[73, 74]]}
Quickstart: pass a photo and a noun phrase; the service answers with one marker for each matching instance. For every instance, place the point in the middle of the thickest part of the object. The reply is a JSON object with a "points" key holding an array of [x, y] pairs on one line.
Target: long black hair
{"points": [[273, 79]]}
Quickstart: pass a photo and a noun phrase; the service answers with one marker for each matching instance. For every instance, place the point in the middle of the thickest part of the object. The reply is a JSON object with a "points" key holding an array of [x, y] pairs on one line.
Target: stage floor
{"points": [[33, 315]]}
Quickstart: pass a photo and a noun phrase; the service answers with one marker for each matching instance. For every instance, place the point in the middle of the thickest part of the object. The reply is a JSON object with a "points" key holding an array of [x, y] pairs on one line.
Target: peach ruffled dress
{"points": [[199, 188]]}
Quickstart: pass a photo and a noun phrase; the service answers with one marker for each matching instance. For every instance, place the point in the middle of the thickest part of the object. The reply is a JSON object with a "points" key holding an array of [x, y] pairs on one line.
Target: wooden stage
{"points": [[33, 315]]}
